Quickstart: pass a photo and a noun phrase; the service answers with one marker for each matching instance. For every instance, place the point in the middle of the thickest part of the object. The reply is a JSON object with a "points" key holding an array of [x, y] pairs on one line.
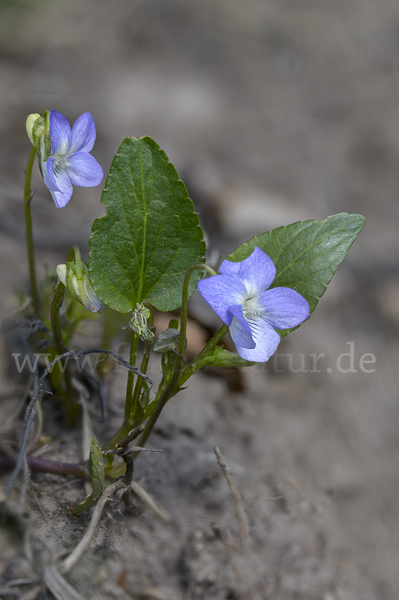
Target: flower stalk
{"points": [[132, 392], [57, 374], [130, 406], [166, 392], [167, 389], [192, 368], [29, 234], [184, 307], [143, 368]]}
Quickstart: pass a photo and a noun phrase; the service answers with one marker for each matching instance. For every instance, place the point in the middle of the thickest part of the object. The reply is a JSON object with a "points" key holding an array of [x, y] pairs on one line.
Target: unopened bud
{"points": [[75, 276], [38, 130], [61, 272], [29, 125]]}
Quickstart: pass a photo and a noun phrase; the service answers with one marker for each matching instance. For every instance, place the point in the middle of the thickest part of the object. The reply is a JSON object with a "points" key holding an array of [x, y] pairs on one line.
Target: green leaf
{"points": [[307, 253], [97, 476], [219, 357], [150, 235]]}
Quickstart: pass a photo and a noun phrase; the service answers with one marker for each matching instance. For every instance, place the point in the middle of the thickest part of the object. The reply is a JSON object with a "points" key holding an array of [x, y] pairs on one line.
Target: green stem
{"points": [[164, 394], [191, 368], [29, 234], [184, 307], [56, 304], [56, 374], [130, 408], [128, 422], [143, 367], [169, 392], [55, 316], [170, 388], [122, 432]]}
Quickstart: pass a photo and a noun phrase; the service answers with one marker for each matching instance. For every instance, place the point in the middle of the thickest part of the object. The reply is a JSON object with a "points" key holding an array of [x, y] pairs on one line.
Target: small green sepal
{"points": [[219, 357]]}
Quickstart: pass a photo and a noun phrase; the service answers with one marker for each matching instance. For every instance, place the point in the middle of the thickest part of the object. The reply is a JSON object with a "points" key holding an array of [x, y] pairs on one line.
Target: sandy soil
{"points": [[272, 111]]}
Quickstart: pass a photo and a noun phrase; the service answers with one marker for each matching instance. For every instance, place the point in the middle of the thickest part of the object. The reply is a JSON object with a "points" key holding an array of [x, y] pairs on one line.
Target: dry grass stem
{"points": [[242, 516], [72, 559], [147, 499]]}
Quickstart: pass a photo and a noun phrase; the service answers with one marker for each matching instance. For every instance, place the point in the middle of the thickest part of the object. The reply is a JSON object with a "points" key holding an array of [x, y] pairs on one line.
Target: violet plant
{"points": [[148, 252]]}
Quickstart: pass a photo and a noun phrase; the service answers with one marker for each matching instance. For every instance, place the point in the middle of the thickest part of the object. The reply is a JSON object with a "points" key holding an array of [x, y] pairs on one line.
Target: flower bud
{"points": [[29, 126], [38, 130], [75, 276], [61, 272]]}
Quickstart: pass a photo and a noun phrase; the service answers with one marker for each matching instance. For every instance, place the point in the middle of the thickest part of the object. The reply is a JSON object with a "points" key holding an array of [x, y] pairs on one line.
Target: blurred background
{"points": [[272, 111]]}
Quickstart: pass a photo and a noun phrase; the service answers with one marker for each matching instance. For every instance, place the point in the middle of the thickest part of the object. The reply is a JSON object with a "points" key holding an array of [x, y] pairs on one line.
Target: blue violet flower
{"points": [[241, 298], [70, 161]]}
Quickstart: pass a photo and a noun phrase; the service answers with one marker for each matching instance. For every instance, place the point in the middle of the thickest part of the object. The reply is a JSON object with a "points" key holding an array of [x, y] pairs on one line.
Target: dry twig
{"points": [[72, 559], [59, 586], [242, 517]]}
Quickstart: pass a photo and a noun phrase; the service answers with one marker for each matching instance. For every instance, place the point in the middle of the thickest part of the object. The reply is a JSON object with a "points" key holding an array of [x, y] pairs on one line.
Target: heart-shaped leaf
{"points": [[150, 235]]}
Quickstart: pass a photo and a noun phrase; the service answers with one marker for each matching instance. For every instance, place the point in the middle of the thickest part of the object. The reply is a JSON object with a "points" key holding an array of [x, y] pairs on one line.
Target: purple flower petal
{"points": [[83, 170], [60, 132], [221, 292], [283, 307], [48, 175], [62, 197], [239, 328], [230, 268], [265, 338], [257, 272], [83, 134], [70, 161], [241, 290]]}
